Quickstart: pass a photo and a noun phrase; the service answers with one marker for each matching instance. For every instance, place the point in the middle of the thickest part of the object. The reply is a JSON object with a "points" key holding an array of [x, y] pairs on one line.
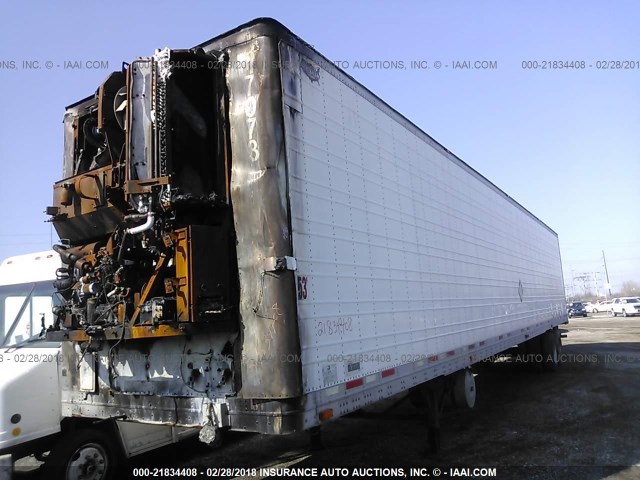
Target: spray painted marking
{"points": [[520, 290]]}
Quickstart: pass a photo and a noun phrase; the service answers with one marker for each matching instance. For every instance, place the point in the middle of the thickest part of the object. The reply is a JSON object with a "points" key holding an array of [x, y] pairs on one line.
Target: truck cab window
{"points": [[23, 313]]}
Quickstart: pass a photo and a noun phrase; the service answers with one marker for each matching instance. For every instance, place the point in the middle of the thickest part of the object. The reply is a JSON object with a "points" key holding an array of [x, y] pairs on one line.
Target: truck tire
{"points": [[550, 345], [526, 353], [614, 314], [624, 312], [83, 454]]}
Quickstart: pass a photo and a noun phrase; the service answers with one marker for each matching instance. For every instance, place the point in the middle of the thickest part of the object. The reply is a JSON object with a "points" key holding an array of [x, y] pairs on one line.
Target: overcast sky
{"points": [[565, 143]]}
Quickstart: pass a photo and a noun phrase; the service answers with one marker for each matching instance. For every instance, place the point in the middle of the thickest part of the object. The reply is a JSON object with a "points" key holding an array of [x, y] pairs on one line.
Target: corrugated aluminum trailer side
{"points": [[409, 264]]}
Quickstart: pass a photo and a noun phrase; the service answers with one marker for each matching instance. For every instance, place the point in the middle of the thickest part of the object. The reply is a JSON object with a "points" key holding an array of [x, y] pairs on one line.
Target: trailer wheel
{"points": [[463, 389], [550, 345], [83, 455]]}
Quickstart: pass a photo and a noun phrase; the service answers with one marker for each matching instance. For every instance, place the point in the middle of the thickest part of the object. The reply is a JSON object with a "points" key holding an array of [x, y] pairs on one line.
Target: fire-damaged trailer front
{"points": [[255, 241]]}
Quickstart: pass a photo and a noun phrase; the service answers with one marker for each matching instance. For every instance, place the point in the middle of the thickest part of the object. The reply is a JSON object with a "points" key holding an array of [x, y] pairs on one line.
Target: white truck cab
{"points": [[26, 359], [31, 421]]}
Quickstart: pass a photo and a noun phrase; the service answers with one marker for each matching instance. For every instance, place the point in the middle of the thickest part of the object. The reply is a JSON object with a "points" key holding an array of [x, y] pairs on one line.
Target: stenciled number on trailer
{"points": [[250, 108], [302, 288]]}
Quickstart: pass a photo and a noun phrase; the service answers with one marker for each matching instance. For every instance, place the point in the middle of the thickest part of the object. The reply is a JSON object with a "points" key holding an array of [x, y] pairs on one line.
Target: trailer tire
{"points": [[550, 345], [83, 454], [531, 354]]}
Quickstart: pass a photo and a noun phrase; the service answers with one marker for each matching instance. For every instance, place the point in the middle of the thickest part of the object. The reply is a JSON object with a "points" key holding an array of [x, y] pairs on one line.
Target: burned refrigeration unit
{"points": [[147, 230]]}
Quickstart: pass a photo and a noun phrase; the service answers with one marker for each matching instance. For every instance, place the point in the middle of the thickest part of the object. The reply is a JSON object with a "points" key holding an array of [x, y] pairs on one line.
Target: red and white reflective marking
{"points": [[388, 373], [359, 382]]}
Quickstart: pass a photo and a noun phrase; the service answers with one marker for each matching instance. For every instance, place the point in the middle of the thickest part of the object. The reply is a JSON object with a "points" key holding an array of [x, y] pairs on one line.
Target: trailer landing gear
{"points": [[459, 388], [435, 405], [429, 397]]}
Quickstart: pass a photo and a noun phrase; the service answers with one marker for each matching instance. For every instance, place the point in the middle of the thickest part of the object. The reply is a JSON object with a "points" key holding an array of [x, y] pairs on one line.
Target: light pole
{"points": [[606, 273]]}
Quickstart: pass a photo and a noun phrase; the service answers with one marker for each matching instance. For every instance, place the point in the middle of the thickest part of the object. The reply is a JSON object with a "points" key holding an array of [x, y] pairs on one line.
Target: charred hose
{"points": [[67, 257], [63, 284]]}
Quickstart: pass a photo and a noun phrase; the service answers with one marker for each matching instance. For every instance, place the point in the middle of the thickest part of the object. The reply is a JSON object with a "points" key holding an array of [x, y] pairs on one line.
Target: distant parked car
{"points": [[602, 307], [576, 309], [590, 307], [625, 306]]}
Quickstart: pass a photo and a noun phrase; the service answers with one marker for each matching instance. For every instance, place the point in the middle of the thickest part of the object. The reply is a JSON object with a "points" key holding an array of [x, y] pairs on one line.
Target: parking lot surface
{"points": [[580, 422]]}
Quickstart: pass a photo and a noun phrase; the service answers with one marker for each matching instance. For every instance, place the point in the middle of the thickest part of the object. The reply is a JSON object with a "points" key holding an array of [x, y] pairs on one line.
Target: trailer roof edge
{"points": [[266, 26]]}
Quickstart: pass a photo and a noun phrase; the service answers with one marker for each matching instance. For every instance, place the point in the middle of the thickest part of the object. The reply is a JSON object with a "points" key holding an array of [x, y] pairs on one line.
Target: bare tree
{"points": [[630, 289]]}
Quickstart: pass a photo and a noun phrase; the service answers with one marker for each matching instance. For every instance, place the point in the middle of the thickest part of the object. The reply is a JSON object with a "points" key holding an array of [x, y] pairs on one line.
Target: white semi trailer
{"points": [[31, 420], [256, 241]]}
